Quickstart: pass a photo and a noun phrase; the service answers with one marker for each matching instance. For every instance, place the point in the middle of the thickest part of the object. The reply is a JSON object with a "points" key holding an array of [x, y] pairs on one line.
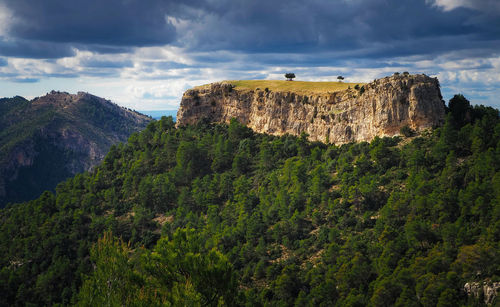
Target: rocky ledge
{"points": [[380, 108]]}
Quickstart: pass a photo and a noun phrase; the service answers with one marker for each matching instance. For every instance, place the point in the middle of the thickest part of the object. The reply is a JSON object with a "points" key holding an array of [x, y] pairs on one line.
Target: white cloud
{"points": [[164, 53], [449, 5], [487, 6], [6, 19], [156, 78]]}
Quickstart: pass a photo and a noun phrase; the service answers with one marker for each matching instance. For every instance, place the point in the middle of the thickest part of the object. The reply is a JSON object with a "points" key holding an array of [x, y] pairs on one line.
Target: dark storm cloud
{"points": [[52, 28], [363, 27], [103, 49], [371, 29], [22, 48], [110, 22]]}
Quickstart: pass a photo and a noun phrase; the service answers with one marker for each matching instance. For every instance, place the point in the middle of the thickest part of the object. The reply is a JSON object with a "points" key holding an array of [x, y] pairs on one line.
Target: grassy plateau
{"points": [[303, 87]]}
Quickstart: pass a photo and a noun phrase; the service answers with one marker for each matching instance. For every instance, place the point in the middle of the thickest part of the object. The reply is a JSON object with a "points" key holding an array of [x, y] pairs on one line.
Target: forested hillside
{"points": [[219, 215]]}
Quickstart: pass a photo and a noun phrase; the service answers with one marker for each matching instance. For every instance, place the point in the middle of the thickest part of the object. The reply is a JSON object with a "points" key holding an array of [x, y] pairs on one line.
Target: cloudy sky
{"points": [[144, 53]]}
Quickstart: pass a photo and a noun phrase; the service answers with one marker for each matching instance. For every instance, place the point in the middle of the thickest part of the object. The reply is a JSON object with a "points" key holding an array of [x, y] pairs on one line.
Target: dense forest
{"points": [[219, 215]]}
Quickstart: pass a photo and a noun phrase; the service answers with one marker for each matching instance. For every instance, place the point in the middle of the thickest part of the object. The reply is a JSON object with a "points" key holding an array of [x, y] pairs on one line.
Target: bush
{"points": [[407, 131]]}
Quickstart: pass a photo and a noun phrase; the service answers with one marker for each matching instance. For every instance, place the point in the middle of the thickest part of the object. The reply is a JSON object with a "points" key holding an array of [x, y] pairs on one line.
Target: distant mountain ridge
{"points": [[158, 114], [50, 138]]}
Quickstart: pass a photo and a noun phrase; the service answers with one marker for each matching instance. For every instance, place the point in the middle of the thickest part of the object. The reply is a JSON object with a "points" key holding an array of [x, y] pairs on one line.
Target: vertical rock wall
{"points": [[340, 117]]}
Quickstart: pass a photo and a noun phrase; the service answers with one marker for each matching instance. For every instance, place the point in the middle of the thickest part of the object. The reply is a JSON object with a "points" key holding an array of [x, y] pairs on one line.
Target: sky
{"points": [[143, 54]]}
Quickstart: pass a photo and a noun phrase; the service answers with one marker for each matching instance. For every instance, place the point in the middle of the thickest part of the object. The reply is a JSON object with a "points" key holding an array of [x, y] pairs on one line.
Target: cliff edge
{"points": [[379, 108]]}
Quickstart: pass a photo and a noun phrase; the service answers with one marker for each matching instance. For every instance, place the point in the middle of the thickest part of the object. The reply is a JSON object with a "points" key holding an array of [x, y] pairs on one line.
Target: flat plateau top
{"points": [[303, 87]]}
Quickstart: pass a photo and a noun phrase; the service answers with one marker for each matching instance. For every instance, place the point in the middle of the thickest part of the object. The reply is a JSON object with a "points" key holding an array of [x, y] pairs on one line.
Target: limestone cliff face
{"points": [[487, 289], [350, 115]]}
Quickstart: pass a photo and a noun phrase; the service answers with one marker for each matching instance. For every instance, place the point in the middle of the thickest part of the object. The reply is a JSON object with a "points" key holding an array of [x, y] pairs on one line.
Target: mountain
{"points": [[53, 137], [158, 114], [326, 111], [216, 214]]}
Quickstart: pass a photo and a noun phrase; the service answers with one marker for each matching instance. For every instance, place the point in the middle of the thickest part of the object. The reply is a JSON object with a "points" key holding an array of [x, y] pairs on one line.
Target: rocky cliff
{"points": [[379, 108], [53, 137], [487, 290]]}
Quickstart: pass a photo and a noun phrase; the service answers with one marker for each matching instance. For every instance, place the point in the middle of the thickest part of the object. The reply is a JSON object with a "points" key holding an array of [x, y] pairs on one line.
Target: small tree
{"points": [[340, 78], [289, 76]]}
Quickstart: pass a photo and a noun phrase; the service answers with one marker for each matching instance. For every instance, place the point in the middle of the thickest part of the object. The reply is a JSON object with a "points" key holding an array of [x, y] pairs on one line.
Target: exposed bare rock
{"points": [[473, 288], [351, 115], [488, 289]]}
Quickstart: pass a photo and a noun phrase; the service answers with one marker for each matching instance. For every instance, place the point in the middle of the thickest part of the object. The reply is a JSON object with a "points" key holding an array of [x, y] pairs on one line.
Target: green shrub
{"points": [[407, 131]]}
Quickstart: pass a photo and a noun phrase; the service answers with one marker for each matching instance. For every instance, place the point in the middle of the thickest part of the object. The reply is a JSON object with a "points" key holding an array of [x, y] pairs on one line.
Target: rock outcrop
{"points": [[379, 108], [487, 289]]}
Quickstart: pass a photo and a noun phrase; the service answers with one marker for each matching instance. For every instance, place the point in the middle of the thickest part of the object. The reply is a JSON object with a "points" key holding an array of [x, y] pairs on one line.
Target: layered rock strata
{"points": [[380, 108]]}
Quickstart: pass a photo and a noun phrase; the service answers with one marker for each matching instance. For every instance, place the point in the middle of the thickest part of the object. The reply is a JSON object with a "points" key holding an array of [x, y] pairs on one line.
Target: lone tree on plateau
{"points": [[289, 76], [340, 78]]}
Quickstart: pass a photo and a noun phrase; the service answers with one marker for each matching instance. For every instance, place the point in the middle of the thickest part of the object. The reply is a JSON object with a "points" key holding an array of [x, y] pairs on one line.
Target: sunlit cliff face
{"points": [[379, 108]]}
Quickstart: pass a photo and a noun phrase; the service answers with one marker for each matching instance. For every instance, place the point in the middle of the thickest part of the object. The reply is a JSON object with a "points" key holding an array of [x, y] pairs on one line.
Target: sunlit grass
{"points": [[302, 87], [305, 87]]}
